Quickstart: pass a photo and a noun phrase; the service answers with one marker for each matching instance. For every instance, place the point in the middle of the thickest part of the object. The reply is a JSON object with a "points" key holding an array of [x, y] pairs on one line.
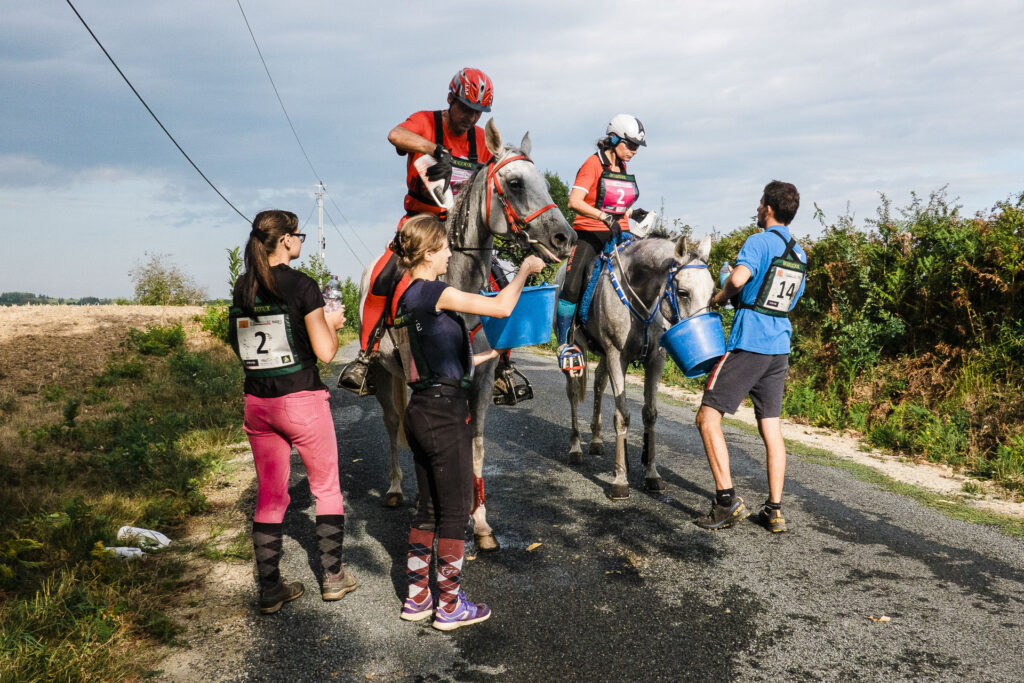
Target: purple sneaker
{"points": [[414, 611], [465, 613]]}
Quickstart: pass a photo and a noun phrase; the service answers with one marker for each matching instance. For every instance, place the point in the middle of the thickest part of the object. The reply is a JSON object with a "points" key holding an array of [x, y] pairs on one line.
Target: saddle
{"points": [[388, 283]]}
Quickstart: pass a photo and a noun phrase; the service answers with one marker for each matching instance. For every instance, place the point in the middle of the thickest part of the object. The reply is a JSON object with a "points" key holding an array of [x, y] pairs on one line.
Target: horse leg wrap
{"points": [[478, 493]]}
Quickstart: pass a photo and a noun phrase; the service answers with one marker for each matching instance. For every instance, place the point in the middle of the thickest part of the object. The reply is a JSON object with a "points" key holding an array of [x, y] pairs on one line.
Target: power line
{"points": [[296, 135], [274, 86], [308, 217], [343, 239], [349, 224], [155, 118]]}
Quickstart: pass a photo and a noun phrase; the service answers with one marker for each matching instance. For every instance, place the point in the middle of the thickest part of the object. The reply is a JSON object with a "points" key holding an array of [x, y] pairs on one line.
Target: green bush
{"points": [[159, 283], [215, 321], [158, 340]]}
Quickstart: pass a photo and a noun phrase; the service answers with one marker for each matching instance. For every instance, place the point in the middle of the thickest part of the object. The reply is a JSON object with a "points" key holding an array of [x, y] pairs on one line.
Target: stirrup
{"points": [[571, 360], [507, 390], [355, 376]]}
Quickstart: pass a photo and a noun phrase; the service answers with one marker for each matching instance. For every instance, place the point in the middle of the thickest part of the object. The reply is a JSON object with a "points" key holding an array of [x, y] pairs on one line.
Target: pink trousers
{"points": [[274, 425]]}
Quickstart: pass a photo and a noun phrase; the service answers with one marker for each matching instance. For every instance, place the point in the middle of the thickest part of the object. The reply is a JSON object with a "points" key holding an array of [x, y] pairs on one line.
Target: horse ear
{"points": [[682, 247], [526, 145], [492, 137], [704, 249]]}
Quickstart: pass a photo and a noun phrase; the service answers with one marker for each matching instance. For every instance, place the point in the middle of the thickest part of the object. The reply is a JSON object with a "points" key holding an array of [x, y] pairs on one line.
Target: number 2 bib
{"points": [[264, 343], [616, 192]]}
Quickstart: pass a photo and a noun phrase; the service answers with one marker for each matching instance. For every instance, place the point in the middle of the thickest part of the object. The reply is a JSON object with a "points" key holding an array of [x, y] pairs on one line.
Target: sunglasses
{"points": [[300, 235], [631, 146]]}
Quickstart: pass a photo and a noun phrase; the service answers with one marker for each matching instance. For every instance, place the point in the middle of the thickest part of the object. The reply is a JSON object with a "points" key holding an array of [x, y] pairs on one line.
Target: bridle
{"points": [[515, 223], [668, 293]]}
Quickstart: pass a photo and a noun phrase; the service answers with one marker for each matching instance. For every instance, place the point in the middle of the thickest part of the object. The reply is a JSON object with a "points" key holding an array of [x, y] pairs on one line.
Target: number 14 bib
{"points": [[781, 283]]}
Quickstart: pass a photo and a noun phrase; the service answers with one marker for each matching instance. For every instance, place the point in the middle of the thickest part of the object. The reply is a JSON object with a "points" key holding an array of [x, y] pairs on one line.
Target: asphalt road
{"points": [[622, 591]]}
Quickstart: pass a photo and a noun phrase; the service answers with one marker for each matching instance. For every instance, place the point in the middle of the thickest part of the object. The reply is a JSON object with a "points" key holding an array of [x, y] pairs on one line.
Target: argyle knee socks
{"points": [[449, 571], [421, 546], [267, 542], [330, 536]]}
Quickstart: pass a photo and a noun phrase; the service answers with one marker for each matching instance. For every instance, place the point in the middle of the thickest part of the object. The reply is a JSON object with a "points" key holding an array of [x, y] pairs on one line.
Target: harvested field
{"points": [[42, 345]]}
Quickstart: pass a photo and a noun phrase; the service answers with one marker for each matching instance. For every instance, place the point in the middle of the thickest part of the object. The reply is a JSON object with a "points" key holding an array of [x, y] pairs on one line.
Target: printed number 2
{"points": [[622, 197], [263, 340]]}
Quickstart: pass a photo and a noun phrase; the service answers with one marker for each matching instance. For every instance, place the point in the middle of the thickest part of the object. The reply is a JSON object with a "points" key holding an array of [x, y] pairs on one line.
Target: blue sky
{"points": [[846, 100]]}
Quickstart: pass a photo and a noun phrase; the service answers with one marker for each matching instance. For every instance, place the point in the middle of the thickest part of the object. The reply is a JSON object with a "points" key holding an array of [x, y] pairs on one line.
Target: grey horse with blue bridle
{"points": [[644, 287]]}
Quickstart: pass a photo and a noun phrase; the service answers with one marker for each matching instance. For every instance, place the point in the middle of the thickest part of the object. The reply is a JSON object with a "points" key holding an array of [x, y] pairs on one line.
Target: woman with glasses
{"points": [[279, 329], [602, 197]]}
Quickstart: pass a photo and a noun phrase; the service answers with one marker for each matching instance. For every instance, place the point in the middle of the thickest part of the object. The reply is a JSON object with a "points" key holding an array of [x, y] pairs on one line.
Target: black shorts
{"points": [[744, 372]]}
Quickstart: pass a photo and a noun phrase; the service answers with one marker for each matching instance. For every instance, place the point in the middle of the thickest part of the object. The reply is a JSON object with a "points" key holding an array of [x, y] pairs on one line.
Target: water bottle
{"points": [[723, 275], [332, 295]]}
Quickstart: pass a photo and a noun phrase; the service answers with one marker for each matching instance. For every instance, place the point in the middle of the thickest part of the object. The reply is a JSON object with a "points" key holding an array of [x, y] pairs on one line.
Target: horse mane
{"points": [[458, 217]]}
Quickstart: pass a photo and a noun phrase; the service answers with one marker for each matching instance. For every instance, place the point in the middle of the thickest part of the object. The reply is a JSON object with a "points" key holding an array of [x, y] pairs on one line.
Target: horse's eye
{"points": [[684, 295], [515, 183]]}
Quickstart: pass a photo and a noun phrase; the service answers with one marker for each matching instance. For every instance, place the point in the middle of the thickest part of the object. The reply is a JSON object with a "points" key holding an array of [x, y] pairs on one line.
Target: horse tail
{"points": [[577, 387], [401, 397]]}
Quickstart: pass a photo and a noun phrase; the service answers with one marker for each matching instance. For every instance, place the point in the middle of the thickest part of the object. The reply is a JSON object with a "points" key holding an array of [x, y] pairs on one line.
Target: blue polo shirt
{"points": [[752, 331]]}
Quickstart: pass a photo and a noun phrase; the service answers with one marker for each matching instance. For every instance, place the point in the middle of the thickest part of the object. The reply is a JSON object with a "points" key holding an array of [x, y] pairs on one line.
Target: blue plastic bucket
{"points": [[530, 322], [696, 343]]}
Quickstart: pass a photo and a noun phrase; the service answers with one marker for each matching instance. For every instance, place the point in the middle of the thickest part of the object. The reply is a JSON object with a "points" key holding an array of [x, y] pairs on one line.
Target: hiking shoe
{"points": [[723, 517], [464, 614], [415, 611], [337, 586], [272, 598], [772, 519], [571, 360]]}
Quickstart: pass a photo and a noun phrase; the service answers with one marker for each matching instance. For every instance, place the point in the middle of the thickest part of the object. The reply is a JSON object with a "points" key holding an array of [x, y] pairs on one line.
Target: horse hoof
{"points": [[393, 500], [596, 448], [655, 484], [619, 492], [486, 542], [575, 457]]}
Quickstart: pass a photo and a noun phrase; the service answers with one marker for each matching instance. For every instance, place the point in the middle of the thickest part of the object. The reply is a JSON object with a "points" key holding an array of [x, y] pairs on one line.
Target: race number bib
{"points": [[462, 171], [263, 343], [616, 192], [781, 286]]}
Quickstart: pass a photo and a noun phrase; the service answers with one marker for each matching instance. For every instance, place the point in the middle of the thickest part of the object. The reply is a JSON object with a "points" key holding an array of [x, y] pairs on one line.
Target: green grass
{"points": [[133, 445]]}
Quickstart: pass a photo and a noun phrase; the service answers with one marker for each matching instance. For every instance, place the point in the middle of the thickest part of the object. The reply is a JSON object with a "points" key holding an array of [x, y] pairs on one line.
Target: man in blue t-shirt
{"points": [[768, 279]]}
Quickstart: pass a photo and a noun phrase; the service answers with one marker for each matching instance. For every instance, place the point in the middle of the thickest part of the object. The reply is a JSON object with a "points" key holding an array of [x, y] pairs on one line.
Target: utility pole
{"points": [[321, 242]]}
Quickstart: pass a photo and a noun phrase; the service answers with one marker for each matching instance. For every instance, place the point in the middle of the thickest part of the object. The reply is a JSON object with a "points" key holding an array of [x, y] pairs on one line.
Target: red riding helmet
{"points": [[473, 88]]}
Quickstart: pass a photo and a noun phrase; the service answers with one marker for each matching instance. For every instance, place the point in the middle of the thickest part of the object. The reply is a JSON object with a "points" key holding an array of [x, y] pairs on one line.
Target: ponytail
{"points": [[267, 228]]}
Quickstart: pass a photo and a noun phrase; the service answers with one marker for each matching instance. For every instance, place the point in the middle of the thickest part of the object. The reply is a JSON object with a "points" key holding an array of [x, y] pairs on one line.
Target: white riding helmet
{"points": [[627, 127]]}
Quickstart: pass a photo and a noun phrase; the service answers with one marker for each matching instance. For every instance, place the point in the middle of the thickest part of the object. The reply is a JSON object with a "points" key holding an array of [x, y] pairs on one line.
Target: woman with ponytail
{"points": [[279, 329], [437, 356]]}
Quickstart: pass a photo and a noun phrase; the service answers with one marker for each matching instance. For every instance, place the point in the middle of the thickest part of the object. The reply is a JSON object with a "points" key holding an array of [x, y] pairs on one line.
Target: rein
{"points": [[668, 293], [515, 223]]}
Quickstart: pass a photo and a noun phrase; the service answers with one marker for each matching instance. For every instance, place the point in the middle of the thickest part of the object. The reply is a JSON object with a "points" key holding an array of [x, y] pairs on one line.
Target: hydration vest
{"points": [[781, 283], [264, 341], [616, 192], [417, 366], [462, 169]]}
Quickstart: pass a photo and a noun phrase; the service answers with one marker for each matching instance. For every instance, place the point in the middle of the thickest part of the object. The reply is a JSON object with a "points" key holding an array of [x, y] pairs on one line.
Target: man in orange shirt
{"points": [[457, 144]]}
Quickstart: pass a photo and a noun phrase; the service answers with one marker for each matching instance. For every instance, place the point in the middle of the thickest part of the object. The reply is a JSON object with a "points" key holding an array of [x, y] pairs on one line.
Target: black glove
{"points": [[639, 215], [443, 167], [613, 224]]}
